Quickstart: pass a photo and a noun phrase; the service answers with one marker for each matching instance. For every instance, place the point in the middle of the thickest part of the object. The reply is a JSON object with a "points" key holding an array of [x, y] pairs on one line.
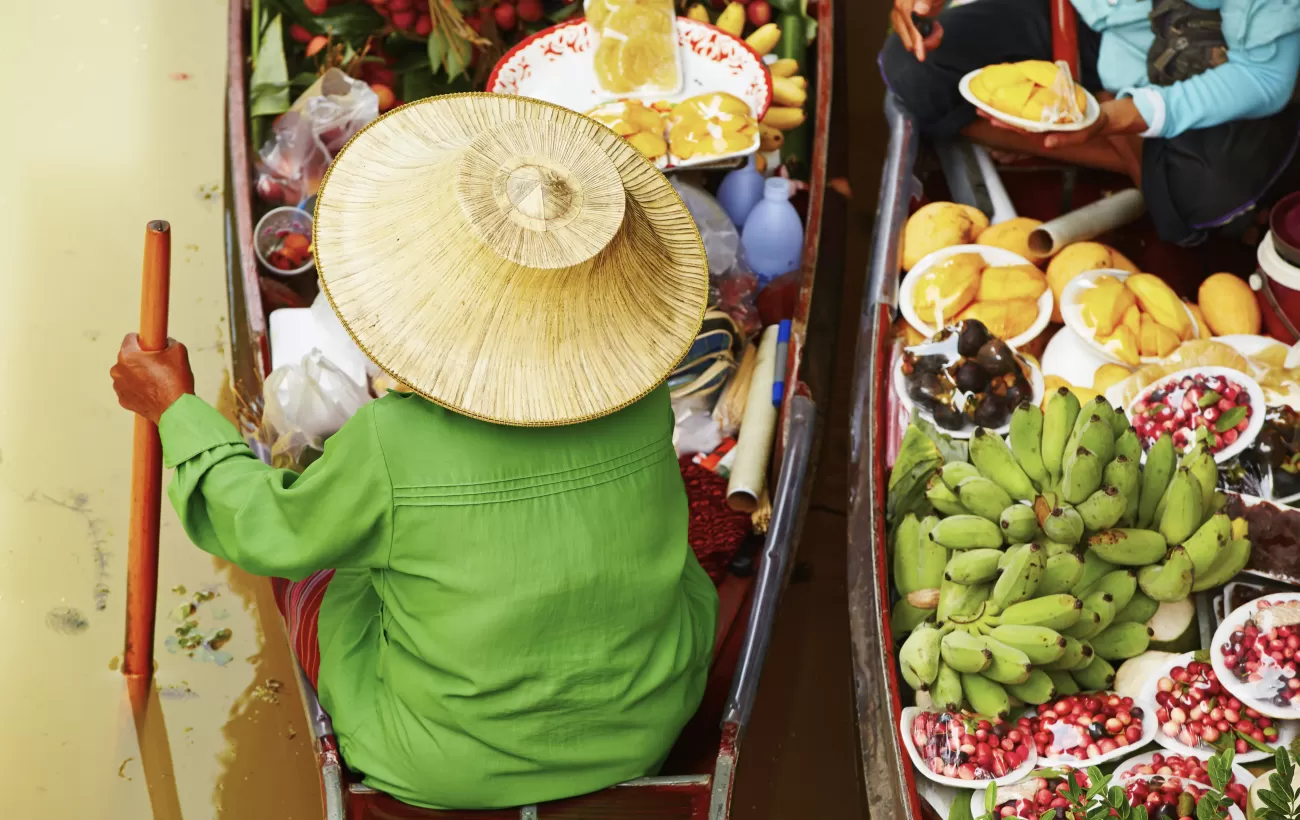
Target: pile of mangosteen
{"points": [[964, 376]]}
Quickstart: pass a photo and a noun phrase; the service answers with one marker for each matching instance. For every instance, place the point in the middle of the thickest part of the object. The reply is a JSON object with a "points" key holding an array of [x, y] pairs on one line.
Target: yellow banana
{"points": [[769, 138], [698, 13], [787, 67], [785, 92], [764, 38], [732, 19], [783, 118]]}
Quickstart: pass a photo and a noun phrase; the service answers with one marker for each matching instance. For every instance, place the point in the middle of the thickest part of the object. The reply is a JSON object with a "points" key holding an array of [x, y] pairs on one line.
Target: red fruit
{"points": [[530, 11], [385, 94], [317, 43], [316, 7], [400, 5], [505, 16], [423, 25], [759, 13], [1230, 436], [299, 34], [475, 22], [404, 20]]}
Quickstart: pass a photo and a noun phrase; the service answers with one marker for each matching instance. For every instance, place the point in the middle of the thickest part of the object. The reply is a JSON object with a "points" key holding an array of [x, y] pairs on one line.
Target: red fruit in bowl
{"points": [[759, 13], [404, 20], [423, 25], [530, 11], [505, 16], [316, 7]]}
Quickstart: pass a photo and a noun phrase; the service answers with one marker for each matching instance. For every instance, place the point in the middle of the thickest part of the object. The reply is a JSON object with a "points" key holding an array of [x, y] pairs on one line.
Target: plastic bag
{"points": [[306, 137], [305, 404], [721, 239]]}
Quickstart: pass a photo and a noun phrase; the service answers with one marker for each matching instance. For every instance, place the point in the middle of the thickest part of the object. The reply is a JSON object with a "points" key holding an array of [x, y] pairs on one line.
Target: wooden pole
{"points": [[146, 467]]}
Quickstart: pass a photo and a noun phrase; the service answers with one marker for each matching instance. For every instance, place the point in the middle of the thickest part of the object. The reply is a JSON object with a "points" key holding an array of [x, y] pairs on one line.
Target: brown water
{"points": [[112, 117]]}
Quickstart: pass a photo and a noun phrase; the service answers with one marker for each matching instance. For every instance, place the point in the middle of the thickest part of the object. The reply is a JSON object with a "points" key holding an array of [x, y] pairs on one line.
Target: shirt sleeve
{"points": [[1253, 83], [337, 514]]}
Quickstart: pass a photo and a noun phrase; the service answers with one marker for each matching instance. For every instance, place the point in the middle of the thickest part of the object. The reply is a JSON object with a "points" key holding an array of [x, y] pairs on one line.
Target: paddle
{"points": [[146, 466]]}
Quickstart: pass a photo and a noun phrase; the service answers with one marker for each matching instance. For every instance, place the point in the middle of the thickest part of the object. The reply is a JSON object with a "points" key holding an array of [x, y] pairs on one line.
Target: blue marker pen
{"points": [[782, 353]]}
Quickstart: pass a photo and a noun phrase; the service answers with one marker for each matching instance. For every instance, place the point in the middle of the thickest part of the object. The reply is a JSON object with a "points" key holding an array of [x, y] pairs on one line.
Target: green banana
{"points": [[1139, 610], [1081, 475], [919, 657], [1125, 475], [1193, 452], [973, 566], [1098, 675], [995, 460], [1098, 612], [965, 532], [1098, 407], [1170, 580], [965, 652], [1218, 503], [1054, 547], [1064, 525], [1038, 688], [905, 535], [1019, 524], [1064, 682], [1128, 547], [1039, 643], [1103, 508], [1007, 664], [1097, 437], [955, 472], [1232, 559], [1204, 545], [1127, 445], [1057, 612], [1060, 573], [946, 690], [943, 498], [903, 618], [1206, 473], [1182, 514], [1019, 578], [1121, 584], [1058, 423], [1094, 569], [1026, 437], [1121, 641], [1076, 654], [1119, 423], [1009, 554], [1156, 472], [960, 599], [918, 561], [983, 497], [986, 697]]}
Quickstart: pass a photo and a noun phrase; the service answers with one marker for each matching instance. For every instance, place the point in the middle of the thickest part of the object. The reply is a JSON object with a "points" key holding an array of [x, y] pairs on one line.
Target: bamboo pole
{"points": [[146, 466]]}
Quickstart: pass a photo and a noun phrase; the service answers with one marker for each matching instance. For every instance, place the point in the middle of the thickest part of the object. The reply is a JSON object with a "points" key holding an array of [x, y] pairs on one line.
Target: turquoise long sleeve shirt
{"points": [[1263, 38]]}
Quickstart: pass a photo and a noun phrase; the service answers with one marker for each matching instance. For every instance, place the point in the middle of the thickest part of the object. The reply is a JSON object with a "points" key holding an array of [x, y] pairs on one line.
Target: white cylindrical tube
{"points": [[754, 445], [1106, 214]]}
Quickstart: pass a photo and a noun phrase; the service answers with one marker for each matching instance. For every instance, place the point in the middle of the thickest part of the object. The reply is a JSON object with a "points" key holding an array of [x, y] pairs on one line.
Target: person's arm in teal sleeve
{"points": [[1254, 83], [336, 514]]}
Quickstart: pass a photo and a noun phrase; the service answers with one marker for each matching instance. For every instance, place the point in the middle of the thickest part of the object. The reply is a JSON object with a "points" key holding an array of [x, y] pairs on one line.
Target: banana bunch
{"points": [[1047, 554]]}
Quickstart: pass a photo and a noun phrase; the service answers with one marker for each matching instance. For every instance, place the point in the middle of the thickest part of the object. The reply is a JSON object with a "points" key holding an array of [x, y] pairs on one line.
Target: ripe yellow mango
{"points": [[940, 225], [1159, 300], [1103, 307], [1001, 74], [1109, 375], [946, 289], [1229, 305], [1012, 235], [1123, 345], [1202, 329], [1012, 99], [1078, 258], [1133, 318], [1041, 72], [1005, 319], [1002, 282]]}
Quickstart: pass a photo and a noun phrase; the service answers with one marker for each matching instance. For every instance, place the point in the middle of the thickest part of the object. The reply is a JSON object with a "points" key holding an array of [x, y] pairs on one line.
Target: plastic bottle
{"points": [[773, 233], [740, 191]]}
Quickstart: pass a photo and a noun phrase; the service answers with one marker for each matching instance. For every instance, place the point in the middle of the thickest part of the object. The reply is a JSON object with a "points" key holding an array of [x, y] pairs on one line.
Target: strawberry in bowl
{"points": [[1223, 406]]}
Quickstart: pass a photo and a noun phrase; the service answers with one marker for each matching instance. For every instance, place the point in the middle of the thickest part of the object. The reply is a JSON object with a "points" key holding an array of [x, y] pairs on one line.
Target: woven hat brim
{"points": [[435, 307]]}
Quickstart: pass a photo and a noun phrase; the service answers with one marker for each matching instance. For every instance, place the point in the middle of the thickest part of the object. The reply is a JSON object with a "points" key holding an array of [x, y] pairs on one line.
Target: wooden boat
{"points": [[893, 786], [698, 779]]}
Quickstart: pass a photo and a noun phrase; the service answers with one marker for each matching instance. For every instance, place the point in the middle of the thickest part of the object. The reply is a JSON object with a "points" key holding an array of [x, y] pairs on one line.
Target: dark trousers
{"points": [[1197, 181]]}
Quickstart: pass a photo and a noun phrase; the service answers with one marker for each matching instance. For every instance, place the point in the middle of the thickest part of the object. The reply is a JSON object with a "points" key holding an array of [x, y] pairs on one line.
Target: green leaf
{"points": [[1050, 814], [1201, 656], [1230, 419], [437, 49], [1220, 769], [991, 796], [1206, 809], [952, 449], [1209, 398], [1253, 743], [350, 21], [269, 85], [960, 809], [458, 54]]}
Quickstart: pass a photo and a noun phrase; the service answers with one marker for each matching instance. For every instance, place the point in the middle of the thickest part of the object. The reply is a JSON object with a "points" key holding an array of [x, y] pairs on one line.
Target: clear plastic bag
{"points": [[306, 137], [305, 404], [637, 50], [721, 239]]}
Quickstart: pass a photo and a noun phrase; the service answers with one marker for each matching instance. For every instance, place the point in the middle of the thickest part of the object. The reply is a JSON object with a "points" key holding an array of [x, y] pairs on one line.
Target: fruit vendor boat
{"points": [[943, 617], [698, 779]]}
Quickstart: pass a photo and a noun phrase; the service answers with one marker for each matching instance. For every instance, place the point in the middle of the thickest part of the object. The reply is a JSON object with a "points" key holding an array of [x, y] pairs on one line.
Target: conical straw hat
{"points": [[509, 259]]}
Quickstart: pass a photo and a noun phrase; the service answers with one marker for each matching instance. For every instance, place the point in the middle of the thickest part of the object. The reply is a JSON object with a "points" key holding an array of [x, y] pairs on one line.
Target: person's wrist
{"points": [[169, 400], [1124, 117]]}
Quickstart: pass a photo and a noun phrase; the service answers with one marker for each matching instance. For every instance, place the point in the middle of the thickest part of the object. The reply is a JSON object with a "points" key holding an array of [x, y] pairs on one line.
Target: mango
{"points": [[1041, 72], [1159, 300], [1103, 307], [1000, 283], [1078, 258], [1133, 318], [940, 225], [1012, 235], [1229, 305], [1109, 375], [1002, 74], [1012, 99], [1156, 339], [1202, 329], [1053, 383], [1004, 319], [1123, 345], [946, 289]]}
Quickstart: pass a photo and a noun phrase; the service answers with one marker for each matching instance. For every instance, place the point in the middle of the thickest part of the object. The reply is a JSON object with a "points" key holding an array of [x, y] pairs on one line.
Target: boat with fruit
{"points": [[1069, 530], [304, 75]]}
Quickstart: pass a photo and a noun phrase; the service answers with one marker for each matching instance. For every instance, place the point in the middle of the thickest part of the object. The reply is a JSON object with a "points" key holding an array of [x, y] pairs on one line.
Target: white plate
{"points": [[555, 65], [905, 726], [1234, 813], [1072, 313], [900, 387], [1241, 691], [1091, 111], [992, 257], [1285, 731], [1148, 732], [1257, 404], [1239, 773], [1071, 358]]}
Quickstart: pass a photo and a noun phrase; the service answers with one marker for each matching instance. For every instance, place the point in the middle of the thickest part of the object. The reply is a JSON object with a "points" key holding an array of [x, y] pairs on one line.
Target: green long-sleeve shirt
{"points": [[516, 614]]}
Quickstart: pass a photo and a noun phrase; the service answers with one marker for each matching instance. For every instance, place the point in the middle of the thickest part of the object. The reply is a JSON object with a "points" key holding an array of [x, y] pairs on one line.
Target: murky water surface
{"points": [[113, 116]]}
